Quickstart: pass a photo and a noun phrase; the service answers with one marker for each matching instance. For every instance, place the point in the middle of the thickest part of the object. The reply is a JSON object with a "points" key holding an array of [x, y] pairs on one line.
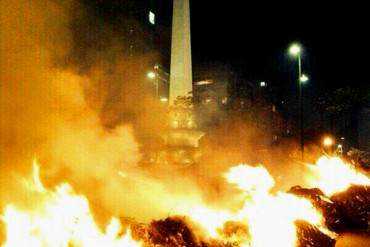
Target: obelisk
{"points": [[181, 79], [182, 137]]}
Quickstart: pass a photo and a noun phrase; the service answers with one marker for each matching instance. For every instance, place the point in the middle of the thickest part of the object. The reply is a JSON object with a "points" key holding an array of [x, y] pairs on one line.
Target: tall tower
{"points": [[181, 79], [182, 137]]}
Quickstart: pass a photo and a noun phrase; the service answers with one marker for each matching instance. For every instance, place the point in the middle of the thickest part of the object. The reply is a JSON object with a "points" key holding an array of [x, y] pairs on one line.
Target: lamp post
{"points": [[295, 50]]}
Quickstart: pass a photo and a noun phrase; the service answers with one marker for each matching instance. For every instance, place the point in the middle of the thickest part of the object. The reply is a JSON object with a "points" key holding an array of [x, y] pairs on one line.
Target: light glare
{"points": [[295, 49], [151, 18], [164, 99], [328, 141], [304, 78], [150, 75]]}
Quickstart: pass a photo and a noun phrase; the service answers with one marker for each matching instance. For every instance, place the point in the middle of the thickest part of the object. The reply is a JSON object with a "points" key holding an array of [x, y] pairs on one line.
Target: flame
{"points": [[332, 175], [60, 218], [270, 217], [63, 218], [210, 220]]}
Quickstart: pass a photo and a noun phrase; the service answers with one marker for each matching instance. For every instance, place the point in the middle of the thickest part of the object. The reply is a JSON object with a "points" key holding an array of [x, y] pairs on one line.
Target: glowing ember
{"points": [[332, 175]]}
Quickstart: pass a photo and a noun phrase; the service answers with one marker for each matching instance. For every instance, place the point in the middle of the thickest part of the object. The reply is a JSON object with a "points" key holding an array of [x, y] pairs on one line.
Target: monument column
{"points": [[181, 80], [182, 136]]}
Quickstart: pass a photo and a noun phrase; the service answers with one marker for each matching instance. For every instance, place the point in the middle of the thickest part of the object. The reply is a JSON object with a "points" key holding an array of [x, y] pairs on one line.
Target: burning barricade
{"points": [[300, 217]]}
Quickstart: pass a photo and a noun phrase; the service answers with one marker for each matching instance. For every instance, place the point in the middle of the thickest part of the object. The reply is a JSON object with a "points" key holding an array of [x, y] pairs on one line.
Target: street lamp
{"points": [[328, 141], [295, 50], [303, 78], [151, 75]]}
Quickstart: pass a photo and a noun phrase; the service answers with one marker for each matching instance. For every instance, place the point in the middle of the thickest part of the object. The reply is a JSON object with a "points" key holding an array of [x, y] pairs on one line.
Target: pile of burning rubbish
{"points": [[338, 201], [349, 210]]}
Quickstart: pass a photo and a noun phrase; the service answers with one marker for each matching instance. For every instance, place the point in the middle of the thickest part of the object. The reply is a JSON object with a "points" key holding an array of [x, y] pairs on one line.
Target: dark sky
{"points": [[255, 37]]}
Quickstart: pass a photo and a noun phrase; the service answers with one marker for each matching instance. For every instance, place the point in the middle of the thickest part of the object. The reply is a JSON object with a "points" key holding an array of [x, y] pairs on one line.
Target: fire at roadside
{"points": [[301, 217]]}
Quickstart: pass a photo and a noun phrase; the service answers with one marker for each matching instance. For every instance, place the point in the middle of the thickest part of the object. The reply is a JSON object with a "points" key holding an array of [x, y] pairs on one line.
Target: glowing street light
{"points": [[328, 141], [151, 75], [304, 78], [295, 49]]}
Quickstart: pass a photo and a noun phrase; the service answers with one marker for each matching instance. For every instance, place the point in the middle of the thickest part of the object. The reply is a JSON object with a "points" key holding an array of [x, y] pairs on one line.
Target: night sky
{"points": [[253, 37]]}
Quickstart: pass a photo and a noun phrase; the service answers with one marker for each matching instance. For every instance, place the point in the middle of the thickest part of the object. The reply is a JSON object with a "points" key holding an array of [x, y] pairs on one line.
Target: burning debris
{"points": [[172, 232], [329, 209], [301, 217], [348, 210], [355, 207], [309, 235], [48, 111]]}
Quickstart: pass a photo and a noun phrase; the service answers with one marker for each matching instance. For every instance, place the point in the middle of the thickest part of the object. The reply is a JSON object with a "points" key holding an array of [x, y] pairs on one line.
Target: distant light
{"points": [[204, 82], [175, 124], [342, 138], [151, 18], [163, 99], [190, 124], [263, 84], [151, 75], [303, 78], [207, 101], [340, 146], [295, 49], [328, 141], [273, 108]]}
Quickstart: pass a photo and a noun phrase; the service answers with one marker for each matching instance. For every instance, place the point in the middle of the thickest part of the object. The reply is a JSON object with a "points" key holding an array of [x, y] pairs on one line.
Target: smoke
{"points": [[85, 113], [84, 117]]}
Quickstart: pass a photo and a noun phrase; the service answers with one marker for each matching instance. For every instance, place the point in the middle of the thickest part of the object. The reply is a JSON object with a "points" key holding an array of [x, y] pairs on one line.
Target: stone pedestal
{"points": [[182, 138]]}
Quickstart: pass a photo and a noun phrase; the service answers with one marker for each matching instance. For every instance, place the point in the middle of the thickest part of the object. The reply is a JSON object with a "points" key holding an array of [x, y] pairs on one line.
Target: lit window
{"points": [[151, 18]]}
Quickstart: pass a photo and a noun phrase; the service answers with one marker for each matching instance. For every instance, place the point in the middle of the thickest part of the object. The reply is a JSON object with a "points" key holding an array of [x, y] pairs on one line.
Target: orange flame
{"points": [[332, 175], [61, 218], [270, 217]]}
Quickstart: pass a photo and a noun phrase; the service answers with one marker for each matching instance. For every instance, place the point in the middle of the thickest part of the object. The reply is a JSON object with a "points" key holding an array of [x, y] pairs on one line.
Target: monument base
{"points": [[182, 146]]}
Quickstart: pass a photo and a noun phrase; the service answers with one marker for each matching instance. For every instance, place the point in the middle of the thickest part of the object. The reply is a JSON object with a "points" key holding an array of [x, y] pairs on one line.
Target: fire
{"points": [[270, 217], [60, 218], [210, 220], [332, 175]]}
